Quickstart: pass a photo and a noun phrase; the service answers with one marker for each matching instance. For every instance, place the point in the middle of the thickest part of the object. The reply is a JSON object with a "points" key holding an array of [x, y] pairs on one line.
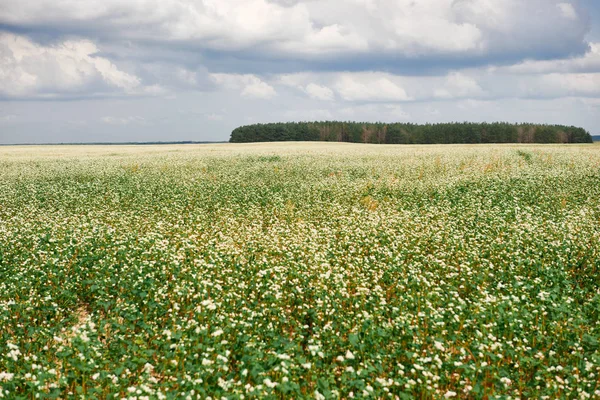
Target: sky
{"points": [[171, 70]]}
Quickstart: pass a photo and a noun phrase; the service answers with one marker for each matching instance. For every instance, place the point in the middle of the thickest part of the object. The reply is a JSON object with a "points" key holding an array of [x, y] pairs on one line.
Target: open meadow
{"points": [[300, 270]]}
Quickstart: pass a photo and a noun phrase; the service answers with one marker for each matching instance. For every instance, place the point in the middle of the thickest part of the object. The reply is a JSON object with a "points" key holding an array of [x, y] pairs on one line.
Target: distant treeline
{"points": [[406, 133]]}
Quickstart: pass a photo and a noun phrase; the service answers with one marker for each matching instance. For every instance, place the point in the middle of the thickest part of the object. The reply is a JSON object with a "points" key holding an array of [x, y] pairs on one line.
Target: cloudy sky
{"points": [[146, 70]]}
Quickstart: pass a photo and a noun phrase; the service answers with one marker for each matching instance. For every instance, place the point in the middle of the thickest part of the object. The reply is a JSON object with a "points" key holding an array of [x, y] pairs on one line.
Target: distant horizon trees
{"points": [[409, 133]]}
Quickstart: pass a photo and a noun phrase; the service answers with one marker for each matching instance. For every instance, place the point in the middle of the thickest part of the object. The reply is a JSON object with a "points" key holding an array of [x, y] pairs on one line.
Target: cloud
{"points": [[319, 92], [259, 89], [304, 83], [589, 62], [369, 87], [458, 85], [571, 84], [567, 10], [474, 83], [248, 85], [176, 77], [69, 67], [326, 31]]}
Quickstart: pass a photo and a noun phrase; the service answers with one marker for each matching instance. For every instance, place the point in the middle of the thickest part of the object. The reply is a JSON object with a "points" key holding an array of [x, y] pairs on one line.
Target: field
{"points": [[300, 270]]}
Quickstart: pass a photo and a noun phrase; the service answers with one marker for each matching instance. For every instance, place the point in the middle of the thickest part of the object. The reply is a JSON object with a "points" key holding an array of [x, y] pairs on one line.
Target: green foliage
{"points": [[403, 133], [316, 270]]}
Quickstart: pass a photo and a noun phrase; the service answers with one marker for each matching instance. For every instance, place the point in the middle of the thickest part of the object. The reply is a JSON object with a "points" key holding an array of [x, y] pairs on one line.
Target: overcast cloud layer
{"points": [[146, 70]]}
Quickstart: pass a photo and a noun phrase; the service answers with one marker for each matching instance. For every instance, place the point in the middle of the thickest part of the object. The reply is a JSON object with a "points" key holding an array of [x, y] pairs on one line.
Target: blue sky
{"points": [[146, 70]]}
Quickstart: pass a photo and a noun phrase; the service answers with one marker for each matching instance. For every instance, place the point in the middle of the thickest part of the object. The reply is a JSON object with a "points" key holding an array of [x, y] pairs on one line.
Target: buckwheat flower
{"points": [[306, 365], [269, 383], [449, 394], [218, 332], [319, 396], [6, 376], [349, 355]]}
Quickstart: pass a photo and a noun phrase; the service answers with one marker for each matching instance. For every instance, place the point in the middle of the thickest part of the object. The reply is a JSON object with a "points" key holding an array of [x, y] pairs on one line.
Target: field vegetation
{"points": [[300, 271]]}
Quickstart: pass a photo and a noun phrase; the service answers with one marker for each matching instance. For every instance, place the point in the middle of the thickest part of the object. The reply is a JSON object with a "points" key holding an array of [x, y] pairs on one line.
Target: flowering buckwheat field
{"points": [[300, 271]]}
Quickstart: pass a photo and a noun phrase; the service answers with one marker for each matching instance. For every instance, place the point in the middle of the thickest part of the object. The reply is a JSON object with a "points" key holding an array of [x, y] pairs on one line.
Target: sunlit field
{"points": [[306, 270]]}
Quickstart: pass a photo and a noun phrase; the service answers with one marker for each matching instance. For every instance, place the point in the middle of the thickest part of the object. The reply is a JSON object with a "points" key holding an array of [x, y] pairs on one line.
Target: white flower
{"points": [[148, 367], [449, 394], [269, 383], [6, 376], [349, 355]]}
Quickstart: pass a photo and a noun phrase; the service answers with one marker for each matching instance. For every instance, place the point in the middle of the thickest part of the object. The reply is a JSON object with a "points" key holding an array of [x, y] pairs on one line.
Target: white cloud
{"points": [[590, 61], [30, 69], [458, 85], [571, 84], [259, 89], [319, 92], [249, 85], [369, 87], [297, 80], [567, 10]]}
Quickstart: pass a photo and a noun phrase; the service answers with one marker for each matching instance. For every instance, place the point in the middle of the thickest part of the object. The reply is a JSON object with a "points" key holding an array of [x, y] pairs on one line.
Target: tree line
{"points": [[408, 133]]}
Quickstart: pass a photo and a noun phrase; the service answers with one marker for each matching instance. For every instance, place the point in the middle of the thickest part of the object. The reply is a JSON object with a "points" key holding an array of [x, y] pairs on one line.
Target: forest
{"points": [[408, 133]]}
